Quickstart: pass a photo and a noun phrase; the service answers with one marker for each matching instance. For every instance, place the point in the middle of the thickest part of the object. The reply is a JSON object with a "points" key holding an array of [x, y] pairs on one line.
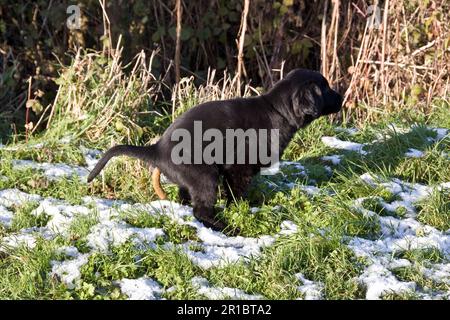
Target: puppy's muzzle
{"points": [[333, 102]]}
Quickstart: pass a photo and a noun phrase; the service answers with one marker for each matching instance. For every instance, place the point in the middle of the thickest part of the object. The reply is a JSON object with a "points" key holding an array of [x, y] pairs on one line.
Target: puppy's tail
{"points": [[146, 153]]}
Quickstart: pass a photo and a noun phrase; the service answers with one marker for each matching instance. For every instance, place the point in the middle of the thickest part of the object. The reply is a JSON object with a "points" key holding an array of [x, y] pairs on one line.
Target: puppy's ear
{"points": [[308, 100]]}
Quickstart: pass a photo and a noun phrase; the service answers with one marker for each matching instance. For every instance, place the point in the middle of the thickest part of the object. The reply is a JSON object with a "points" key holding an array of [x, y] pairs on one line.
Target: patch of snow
{"points": [[106, 209], [310, 289], [410, 193], [301, 169], [52, 171], [444, 185], [114, 233], [397, 129], [334, 159], [61, 214], [438, 272], [212, 237], [26, 237], [17, 147], [399, 263], [69, 251], [288, 227], [6, 217], [414, 153], [91, 157], [336, 143], [17, 240], [175, 211], [441, 133], [311, 190], [15, 197], [66, 139], [270, 171], [380, 281], [390, 131], [142, 288], [216, 293], [254, 210], [68, 271], [218, 249], [102, 204]]}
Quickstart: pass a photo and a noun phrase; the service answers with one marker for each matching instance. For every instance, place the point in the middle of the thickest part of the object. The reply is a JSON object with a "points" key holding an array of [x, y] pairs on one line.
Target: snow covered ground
{"points": [[397, 233]]}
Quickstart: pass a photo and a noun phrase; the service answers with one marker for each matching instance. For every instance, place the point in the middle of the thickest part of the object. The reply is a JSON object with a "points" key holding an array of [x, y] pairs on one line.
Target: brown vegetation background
{"points": [[393, 57]]}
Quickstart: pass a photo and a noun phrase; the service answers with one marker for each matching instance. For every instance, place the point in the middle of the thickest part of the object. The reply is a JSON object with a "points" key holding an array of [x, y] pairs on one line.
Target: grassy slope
{"points": [[24, 273]]}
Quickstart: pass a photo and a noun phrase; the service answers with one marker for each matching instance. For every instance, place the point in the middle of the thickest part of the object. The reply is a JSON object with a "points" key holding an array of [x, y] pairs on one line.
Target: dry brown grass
{"points": [[97, 93], [403, 62], [186, 94]]}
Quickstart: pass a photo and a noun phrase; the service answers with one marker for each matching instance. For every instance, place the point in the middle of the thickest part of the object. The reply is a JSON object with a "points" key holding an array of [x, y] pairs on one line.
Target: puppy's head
{"points": [[311, 95]]}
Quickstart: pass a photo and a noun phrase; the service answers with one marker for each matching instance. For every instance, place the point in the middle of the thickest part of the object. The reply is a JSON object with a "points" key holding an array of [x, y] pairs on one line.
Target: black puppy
{"points": [[294, 102]]}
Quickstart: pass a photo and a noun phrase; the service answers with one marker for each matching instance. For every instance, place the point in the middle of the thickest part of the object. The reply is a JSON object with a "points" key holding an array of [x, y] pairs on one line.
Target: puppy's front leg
{"points": [[183, 194], [237, 181], [207, 217], [204, 197]]}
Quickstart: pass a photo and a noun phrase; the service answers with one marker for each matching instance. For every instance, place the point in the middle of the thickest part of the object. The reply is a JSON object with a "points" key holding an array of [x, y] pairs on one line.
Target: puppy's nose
{"points": [[337, 97], [340, 99]]}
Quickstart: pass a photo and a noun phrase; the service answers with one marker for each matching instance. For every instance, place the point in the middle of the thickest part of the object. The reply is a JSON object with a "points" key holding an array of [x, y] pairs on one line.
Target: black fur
{"points": [[294, 102]]}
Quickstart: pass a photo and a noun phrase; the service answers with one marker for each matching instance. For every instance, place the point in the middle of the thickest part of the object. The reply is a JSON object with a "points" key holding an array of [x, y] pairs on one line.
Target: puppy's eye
{"points": [[317, 90]]}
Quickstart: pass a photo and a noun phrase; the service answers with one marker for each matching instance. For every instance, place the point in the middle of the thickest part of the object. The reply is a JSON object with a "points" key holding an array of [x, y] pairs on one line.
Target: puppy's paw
{"points": [[219, 225], [206, 216], [216, 225]]}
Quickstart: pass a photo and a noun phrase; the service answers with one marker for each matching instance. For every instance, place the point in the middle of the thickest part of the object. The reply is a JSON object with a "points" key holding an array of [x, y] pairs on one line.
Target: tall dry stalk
{"points": [[107, 36], [242, 31], [178, 9]]}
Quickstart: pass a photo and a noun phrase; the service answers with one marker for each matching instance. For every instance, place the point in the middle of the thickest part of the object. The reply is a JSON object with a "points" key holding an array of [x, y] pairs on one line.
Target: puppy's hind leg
{"points": [[183, 194], [204, 197]]}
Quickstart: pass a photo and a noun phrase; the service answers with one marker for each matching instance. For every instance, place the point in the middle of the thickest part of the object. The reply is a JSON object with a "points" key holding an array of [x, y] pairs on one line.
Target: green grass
{"points": [[318, 258], [24, 218], [174, 232], [52, 151], [24, 273], [414, 274], [435, 210]]}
